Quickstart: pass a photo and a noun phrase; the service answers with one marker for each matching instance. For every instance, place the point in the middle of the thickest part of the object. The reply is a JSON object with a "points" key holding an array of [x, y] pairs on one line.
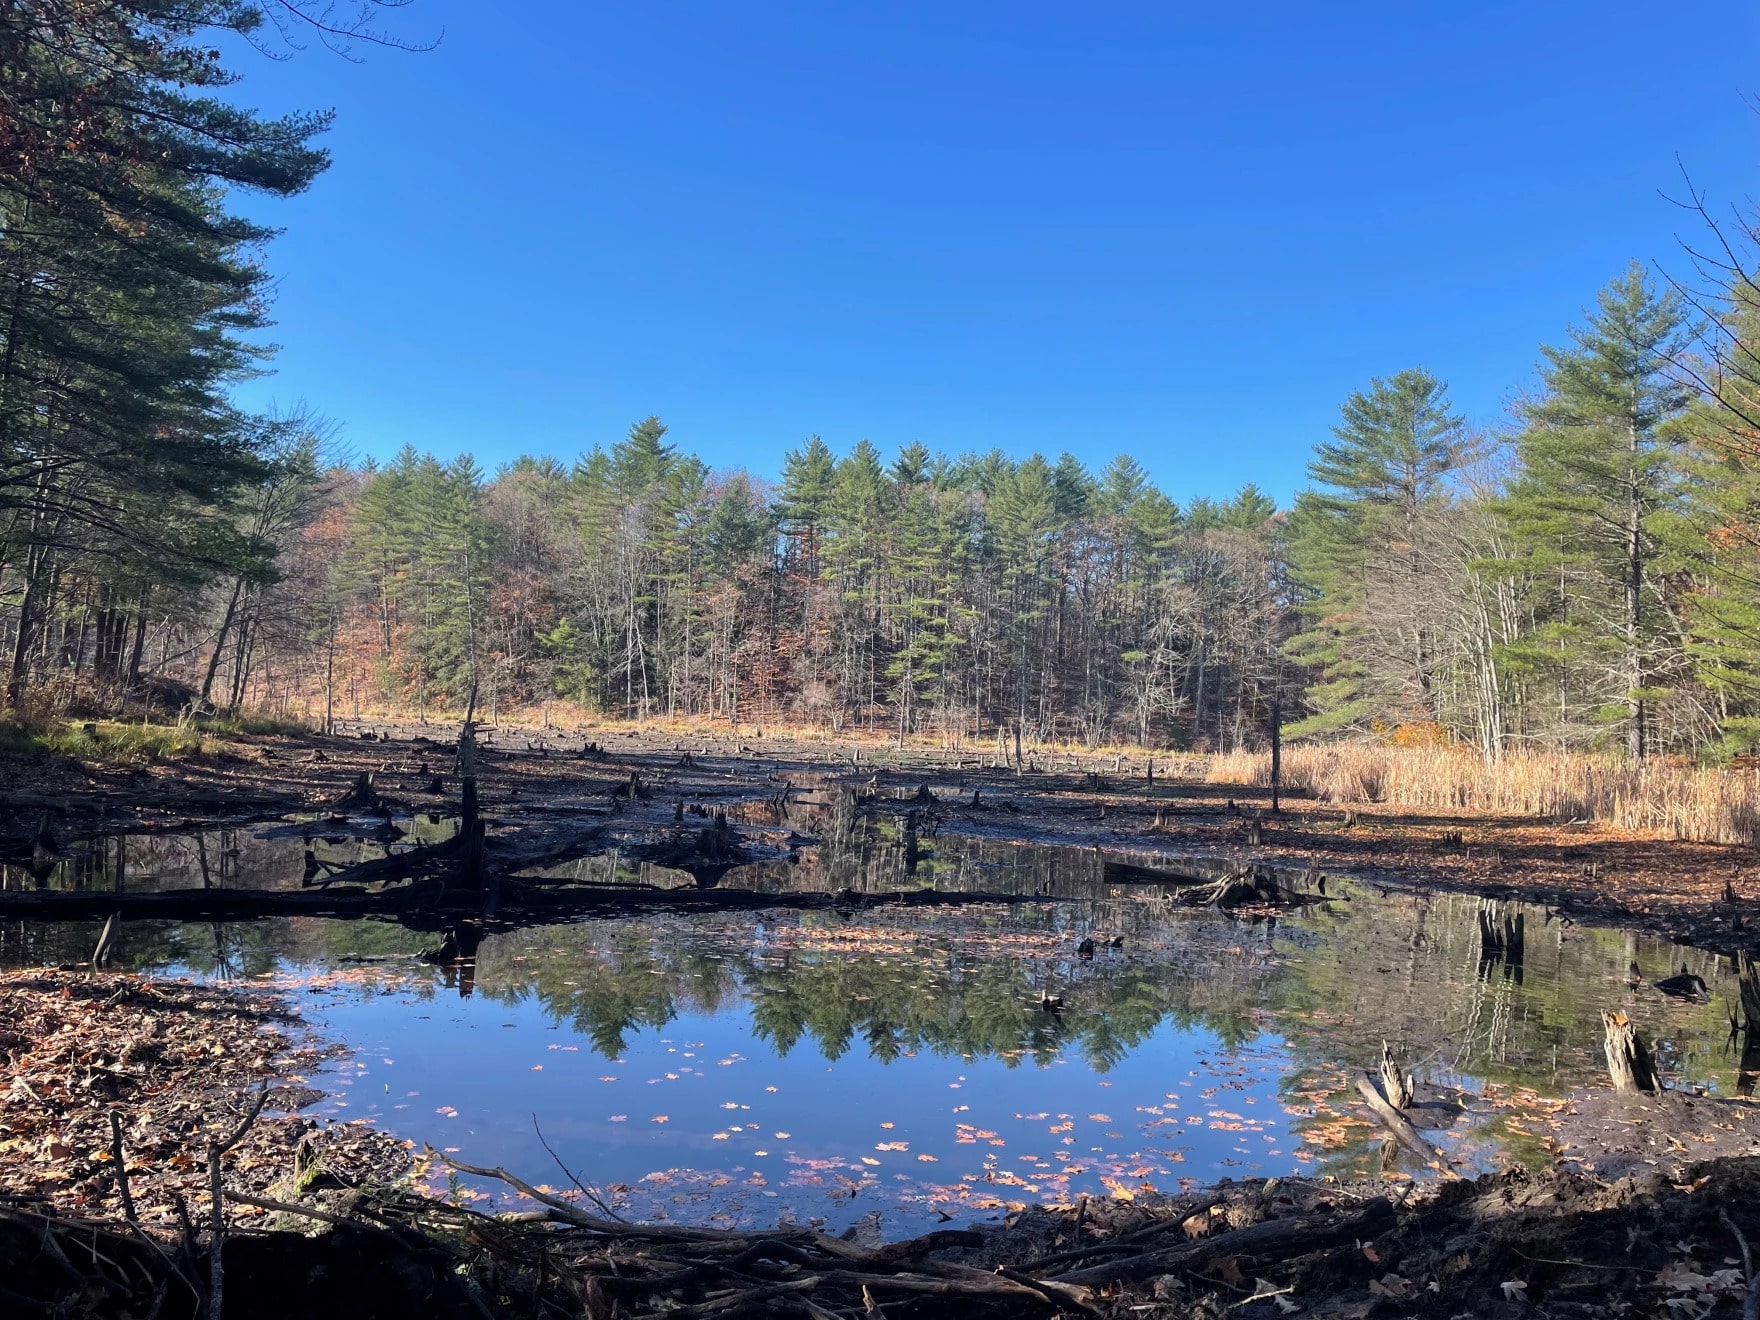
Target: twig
{"points": [[1751, 1302], [1060, 1295], [738, 1304], [1578, 1264], [567, 1213], [1261, 1296], [116, 1155], [250, 1118], [311, 1212], [1125, 1242], [217, 1206], [584, 1190]]}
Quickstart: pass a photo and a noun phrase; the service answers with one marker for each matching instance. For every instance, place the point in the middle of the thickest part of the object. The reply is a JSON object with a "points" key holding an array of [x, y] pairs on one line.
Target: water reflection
{"points": [[286, 855], [728, 1068]]}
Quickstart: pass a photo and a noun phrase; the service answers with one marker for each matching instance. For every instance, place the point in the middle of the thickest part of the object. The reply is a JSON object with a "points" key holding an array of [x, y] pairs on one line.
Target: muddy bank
{"points": [[1507, 1245], [1632, 1219]]}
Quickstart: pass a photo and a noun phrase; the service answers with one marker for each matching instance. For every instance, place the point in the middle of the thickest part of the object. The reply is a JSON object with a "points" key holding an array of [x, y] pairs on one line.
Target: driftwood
{"points": [[559, 1262], [653, 1264], [1629, 1062], [1395, 1122]]}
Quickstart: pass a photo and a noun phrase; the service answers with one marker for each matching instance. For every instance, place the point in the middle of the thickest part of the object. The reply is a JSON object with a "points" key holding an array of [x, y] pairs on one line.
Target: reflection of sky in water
{"points": [[1204, 1047], [797, 1134]]}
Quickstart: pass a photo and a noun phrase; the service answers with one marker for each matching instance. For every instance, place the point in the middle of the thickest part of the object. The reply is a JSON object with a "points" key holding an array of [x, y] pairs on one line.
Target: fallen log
{"points": [[519, 904], [1271, 1237], [1396, 1122], [1129, 873], [210, 904]]}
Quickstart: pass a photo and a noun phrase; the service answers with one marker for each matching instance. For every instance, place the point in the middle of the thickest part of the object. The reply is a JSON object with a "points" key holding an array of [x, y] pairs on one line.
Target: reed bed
{"points": [[1666, 796]]}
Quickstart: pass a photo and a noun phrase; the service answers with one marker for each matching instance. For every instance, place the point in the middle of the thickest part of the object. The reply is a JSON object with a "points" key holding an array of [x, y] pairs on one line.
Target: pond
{"points": [[903, 1065]]}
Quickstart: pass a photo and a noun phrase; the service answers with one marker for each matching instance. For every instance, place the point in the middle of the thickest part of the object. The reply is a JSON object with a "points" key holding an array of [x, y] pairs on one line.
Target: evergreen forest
{"points": [[1582, 573]]}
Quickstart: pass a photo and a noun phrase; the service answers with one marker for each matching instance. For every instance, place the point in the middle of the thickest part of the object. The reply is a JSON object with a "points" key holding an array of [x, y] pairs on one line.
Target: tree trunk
{"points": [[140, 642], [1634, 606], [1628, 1059], [220, 639]]}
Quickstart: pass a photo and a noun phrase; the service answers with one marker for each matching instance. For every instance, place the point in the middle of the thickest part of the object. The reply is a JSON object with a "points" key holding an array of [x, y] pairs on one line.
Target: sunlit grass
{"points": [[257, 725], [103, 741], [1661, 795]]}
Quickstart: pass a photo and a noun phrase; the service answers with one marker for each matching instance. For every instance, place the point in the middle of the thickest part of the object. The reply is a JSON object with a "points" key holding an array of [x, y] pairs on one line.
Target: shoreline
{"points": [[1693, 893], [334, 1203]]}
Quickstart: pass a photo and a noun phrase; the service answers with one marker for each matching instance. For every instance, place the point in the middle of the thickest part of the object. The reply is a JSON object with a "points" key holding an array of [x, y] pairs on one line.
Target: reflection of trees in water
{"points": [[1334, 982], [238, 949], [891, 984], [242, 857], [1413, 970]]}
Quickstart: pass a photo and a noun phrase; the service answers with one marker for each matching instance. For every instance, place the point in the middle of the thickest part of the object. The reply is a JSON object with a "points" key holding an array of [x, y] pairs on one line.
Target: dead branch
{"points": [[1396, 1122]]}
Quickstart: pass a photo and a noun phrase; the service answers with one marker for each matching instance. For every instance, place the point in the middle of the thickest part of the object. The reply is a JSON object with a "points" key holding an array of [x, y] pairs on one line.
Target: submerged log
{"points": [[1263, 882], [1129, 873], [519, 903], [1629, 1062]]}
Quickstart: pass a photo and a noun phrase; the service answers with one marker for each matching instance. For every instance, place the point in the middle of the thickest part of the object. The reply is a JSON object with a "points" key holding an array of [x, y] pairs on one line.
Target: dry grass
{"points": [[1658, 796]]}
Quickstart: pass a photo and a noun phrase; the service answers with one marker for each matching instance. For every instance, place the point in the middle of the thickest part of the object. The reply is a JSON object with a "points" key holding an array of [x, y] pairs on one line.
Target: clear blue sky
{"points": [[1179, 231]]}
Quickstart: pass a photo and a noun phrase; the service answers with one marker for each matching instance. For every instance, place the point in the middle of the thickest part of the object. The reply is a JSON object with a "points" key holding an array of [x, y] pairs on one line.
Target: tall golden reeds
{"points": [[1659, 795]]}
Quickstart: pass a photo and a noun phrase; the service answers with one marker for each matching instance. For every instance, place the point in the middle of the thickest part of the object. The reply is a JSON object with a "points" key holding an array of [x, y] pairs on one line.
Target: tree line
{"points": [[1584, 574]]}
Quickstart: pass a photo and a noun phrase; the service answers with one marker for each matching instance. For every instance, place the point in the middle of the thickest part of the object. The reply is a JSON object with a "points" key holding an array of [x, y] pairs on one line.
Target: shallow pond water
{"points": [[894, 1061]]}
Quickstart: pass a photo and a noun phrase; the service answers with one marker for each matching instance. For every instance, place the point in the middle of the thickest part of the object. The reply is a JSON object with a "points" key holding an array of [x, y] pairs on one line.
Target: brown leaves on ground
{"points": [[177, 1062]]}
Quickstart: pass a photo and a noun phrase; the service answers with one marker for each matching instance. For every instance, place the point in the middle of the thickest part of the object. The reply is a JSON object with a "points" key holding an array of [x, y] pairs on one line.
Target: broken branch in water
{"points": [[1398, 1124], [1396, 1083]]}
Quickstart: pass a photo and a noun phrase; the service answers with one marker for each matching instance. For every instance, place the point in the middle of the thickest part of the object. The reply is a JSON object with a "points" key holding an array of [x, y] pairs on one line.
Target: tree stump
{"points": [[1628, 1059], [361, 796], [1396, 1084]]}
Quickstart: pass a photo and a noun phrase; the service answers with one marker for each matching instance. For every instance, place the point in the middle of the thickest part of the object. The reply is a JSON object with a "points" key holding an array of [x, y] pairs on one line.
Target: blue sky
{"points": [[1183, 232]]}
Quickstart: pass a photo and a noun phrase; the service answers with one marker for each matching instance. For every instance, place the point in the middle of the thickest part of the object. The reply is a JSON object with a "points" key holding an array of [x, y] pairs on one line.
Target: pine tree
{"points": [[1597, 484], [1714, 539], [1360, 546], [126, 289]]}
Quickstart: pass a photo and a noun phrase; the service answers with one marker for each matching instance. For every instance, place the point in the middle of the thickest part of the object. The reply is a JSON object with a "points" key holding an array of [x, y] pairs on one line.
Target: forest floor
{"points": [[1652, 1214], [1702, 894]]}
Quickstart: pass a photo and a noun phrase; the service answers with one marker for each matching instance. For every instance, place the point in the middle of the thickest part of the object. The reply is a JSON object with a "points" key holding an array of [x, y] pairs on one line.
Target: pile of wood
{"points": [[1445, 1249]]}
